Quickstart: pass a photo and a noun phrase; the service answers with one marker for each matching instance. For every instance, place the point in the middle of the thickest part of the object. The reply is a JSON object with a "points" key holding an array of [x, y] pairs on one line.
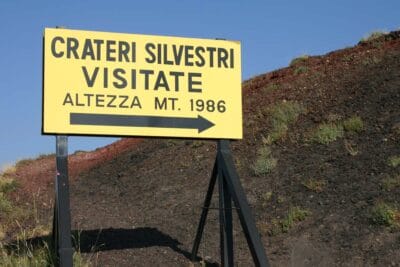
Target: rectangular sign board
{"points": [[100, 83]]}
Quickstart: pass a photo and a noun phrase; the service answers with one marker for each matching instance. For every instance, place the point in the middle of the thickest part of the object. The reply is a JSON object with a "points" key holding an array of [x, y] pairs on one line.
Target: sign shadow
{"points": [[92, 241]]}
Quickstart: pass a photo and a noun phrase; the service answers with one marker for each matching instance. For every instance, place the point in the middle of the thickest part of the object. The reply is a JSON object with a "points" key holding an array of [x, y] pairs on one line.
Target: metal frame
{"points": [[62, 245], [230, 189]]}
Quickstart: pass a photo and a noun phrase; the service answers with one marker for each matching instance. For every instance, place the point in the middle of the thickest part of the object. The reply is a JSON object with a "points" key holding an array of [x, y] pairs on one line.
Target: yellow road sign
{"points": [[100, 83]]}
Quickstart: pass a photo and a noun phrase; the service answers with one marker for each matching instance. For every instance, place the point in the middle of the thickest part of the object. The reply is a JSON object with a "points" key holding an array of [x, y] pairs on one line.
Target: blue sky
{"points": [[271, 33]]}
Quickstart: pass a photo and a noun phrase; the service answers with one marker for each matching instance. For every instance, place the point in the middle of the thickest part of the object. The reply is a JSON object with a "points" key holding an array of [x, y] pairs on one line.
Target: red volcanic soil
{"points": [[37, 175], [137, 202]]}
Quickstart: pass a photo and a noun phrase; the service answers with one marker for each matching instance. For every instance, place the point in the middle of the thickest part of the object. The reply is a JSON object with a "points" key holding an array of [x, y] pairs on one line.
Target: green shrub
{"points": [[49, 155], [265, 162], [8, 170], [7, 184], [389, 183], [298, 60], [5, 204], [394, 161], [353, 124], [270, 87], [327, 133], [281, 116], [295, 214], [25, 255], [373, 36], [385, 214], [24, 162], [300, 69]]}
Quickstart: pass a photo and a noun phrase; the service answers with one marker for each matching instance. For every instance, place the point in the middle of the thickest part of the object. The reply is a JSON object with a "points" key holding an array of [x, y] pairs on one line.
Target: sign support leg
{"points": [[62, 218], [204, 212], [225, 221], [230, 189]]}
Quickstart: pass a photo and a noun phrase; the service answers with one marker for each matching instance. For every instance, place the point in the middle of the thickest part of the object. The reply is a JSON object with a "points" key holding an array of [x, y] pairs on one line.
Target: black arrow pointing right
{"points": [[200, 123]]}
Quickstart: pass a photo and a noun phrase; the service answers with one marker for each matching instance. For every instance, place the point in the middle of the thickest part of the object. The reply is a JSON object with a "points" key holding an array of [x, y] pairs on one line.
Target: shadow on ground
{"points": [[88, 241]]}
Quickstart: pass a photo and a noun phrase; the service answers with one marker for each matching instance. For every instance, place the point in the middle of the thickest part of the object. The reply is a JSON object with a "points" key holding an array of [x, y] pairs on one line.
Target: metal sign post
{"points": [[146, 85], [230, 189], [62, 246]]}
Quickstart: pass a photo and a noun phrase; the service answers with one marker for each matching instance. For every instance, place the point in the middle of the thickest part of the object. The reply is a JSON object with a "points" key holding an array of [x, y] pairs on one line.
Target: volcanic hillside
{"points": [[319, 161]]}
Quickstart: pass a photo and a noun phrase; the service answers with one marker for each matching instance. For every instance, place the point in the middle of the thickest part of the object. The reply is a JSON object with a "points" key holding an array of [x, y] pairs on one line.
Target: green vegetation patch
{"points": [[327, 133], [294, 215], [266, 198], [265, 162], [12, 216], [300, 70], [25, 255], [24, 162], [389, 183], [353, 124], [282, 115], [270, 87], [7, 184], [385, 214], [5, 204], [22, 252], [299, 60], [330, 131], [373, 36], [79, 261], [394, 161]]}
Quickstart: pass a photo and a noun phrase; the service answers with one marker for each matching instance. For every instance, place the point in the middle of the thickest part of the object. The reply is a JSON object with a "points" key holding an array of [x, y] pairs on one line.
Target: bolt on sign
{"points": [[100, 83]]}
